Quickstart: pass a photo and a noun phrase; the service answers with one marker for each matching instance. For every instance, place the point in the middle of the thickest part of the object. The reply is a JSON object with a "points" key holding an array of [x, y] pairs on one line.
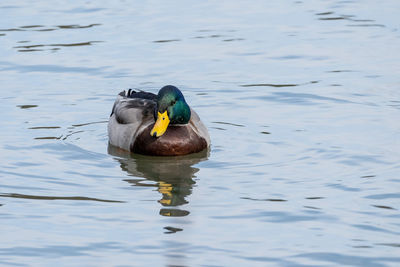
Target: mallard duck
{"points": [[158, 125]]}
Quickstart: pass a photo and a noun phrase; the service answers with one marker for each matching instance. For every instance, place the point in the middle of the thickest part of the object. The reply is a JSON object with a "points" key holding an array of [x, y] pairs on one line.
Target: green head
{"points": [[171, 108]]}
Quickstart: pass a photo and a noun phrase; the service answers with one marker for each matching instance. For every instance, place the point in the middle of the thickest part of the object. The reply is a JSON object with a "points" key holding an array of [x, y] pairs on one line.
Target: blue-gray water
{"points": [[302, 101]]}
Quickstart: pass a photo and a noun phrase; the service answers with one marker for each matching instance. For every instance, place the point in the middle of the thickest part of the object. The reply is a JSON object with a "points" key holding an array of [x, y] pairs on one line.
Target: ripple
{"points": [[395, 104], [228, 123], [27, 106], [58, 250], [44, 127], [26, 175], [15, 187], [333, 18], [366, 25], [343, 259], [83, 10], [28, 48], [359, 159], [282, 262], [216, 36], [344, 188], [172, 230], [383, 207], [299, 57], [311, 207], [169, 217], [350, 18], [77, 26], [362, 246], [265, 199], [11, 30], [66, 151], [79, 198], [233, 39], [50, 28], [46, 30], [301, 98], [374, 229], [384, 196], [48, 138], [339, 71], [395, 245], [278, 217], [322, 16], [51, 69], [71, 133], [218, 128], [88, 123], [277, 85], [31, 26], [167, 41], [76, 44], [368, 176], [314, 198], [324, 13], [268, 85]]}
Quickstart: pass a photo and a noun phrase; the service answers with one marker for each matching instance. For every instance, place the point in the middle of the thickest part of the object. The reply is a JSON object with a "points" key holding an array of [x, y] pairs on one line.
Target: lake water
{"points": [[301, 99]]}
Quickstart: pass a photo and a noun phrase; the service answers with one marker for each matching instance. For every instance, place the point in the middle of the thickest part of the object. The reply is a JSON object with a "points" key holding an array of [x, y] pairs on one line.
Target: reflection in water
{"points": [[172, 230], [173, 176]]}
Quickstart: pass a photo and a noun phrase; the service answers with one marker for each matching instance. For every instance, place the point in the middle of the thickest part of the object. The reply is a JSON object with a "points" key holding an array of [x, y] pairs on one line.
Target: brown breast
{"points": [[177, 140]]}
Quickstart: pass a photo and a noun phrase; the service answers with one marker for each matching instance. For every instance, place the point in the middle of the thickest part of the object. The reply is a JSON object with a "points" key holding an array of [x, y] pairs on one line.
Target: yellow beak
{"points": [[161, 124]]}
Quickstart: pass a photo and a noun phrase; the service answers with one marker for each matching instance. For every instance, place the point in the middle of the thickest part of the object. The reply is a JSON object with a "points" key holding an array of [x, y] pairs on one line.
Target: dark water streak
{"points": [[13, 195]]}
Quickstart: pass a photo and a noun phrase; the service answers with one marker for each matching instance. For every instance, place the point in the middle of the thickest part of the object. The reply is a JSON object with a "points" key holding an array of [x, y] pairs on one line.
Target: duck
{"points": [[156, 125]]}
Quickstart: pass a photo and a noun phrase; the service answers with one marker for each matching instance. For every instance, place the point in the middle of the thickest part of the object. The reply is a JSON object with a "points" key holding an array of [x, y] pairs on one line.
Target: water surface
{"points": [[301, 100]]}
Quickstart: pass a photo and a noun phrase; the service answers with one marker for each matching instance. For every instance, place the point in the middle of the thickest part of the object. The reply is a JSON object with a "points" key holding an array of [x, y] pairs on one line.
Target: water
{"points": [[301, 100]]}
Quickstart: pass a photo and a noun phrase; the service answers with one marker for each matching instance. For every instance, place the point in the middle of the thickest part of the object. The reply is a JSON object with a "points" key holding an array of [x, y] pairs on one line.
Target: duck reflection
{"points": [[173, 176]]}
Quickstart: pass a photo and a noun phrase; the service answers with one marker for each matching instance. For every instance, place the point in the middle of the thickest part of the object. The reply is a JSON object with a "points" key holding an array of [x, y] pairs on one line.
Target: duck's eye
{"points": [[163, 118], [173, 102]]}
